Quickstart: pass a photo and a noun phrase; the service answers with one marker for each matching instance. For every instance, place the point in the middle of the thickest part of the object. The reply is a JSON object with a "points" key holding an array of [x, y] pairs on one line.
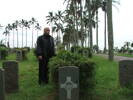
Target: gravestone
{"points": [[19, 55], [69, 83], [126, 72], [2, 85], [3, 54], [0, 55], [11, 76]]}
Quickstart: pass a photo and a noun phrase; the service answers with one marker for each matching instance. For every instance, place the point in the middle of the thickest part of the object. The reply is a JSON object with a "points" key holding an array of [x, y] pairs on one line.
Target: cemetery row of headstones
{"points": [[20, 55], [68, 79]]}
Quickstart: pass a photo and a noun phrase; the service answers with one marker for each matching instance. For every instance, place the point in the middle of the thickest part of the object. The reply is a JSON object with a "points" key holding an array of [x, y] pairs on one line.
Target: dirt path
{"points": [[116, 58]]}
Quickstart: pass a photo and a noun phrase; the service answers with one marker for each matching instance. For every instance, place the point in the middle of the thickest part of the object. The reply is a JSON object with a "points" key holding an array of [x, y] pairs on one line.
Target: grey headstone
{"points": [[19, 55], [0, 55], [11, 76], [2, 85], [69, 83], [126, 72]]}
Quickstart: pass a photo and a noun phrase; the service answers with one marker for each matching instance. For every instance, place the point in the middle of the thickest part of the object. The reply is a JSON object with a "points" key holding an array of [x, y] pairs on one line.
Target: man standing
{"points": [[45, 50]]}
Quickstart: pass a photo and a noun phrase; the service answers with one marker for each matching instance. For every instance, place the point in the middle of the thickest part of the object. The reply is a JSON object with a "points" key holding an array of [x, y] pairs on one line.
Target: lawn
{"points": [[28, 81], [107, 85], [125, 55]]}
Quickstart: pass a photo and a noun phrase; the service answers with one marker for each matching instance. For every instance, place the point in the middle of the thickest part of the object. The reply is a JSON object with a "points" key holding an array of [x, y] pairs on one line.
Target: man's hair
{"points": [[45, 29]]}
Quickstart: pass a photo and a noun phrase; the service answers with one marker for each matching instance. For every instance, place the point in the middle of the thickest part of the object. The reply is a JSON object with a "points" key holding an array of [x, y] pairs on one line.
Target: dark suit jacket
{"points": [[45, 46]]}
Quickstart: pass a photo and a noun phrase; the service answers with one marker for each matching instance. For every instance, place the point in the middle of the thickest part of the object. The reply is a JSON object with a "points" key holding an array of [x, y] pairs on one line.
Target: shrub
{"points": [[27, 49], [3, 53], [82, 51], [86, 70], [60, 47]]}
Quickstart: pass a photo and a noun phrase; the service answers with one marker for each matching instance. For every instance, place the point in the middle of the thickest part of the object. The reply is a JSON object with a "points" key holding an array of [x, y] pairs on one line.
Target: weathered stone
{"points": [[69, 83], [2, 85], [11, 76], [3, 54], [126, 73], [19, 55]]}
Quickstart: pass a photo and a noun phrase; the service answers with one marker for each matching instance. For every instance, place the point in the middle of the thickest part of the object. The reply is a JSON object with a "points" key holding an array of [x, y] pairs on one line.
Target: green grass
{"points": [[125, 55], [28, 81], [107, 84], [107, 87]]}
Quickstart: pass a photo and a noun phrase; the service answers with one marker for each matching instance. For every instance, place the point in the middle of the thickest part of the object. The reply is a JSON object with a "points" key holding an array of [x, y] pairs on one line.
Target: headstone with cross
{"points": [[126, 73], [69, 83], [2, 85]]}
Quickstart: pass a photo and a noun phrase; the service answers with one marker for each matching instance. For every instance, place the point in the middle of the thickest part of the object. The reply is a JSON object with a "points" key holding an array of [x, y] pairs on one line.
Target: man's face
{"points": [[47, 31]]}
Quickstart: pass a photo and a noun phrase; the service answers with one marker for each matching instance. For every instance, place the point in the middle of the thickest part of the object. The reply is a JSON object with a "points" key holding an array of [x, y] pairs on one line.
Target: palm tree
{"points": [[73, 13], [9, 27], [96, 4], [85, 19], [59, 16], [32, 22], [26, 25], [13, 27], [104, 8], [68, 36], [6, 33], [21, 24], [37, 27], [88, 6], [110, 30], [16, 27], [59, 20], [57, 28], [50, 19]]}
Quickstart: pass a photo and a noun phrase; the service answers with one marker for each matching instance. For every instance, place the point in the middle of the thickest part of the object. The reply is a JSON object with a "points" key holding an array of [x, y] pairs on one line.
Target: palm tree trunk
{"points": [[75, 21], [76, 25], [13, 38], [105, 48], [32, 37], [22, 37], [110, 30], [97, 30], [17, 39], [8, 44], [82, 30], [90, 25], [26, 37], [90, 30]]}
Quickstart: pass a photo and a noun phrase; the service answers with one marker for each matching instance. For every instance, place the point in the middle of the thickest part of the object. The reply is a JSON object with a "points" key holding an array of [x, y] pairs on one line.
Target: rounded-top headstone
{"points": [[11, 76]]}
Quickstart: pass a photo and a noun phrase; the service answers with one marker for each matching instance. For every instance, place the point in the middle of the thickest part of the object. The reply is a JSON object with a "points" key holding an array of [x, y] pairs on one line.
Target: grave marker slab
{"points": [[69, 83], [11, 76], [126, 72], [2, 85], [19, 55]]}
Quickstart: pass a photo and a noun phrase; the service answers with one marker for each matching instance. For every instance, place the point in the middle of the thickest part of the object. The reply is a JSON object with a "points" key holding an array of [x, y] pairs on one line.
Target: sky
{"points": [[11, 10]]}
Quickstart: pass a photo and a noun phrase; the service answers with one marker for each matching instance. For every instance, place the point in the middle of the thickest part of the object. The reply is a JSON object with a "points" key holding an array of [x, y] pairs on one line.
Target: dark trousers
{"points": [[43, 71]]}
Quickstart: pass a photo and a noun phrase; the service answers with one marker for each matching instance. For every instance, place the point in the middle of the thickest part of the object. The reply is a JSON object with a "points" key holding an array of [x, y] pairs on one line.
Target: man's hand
{"points": [[40, 57]]}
